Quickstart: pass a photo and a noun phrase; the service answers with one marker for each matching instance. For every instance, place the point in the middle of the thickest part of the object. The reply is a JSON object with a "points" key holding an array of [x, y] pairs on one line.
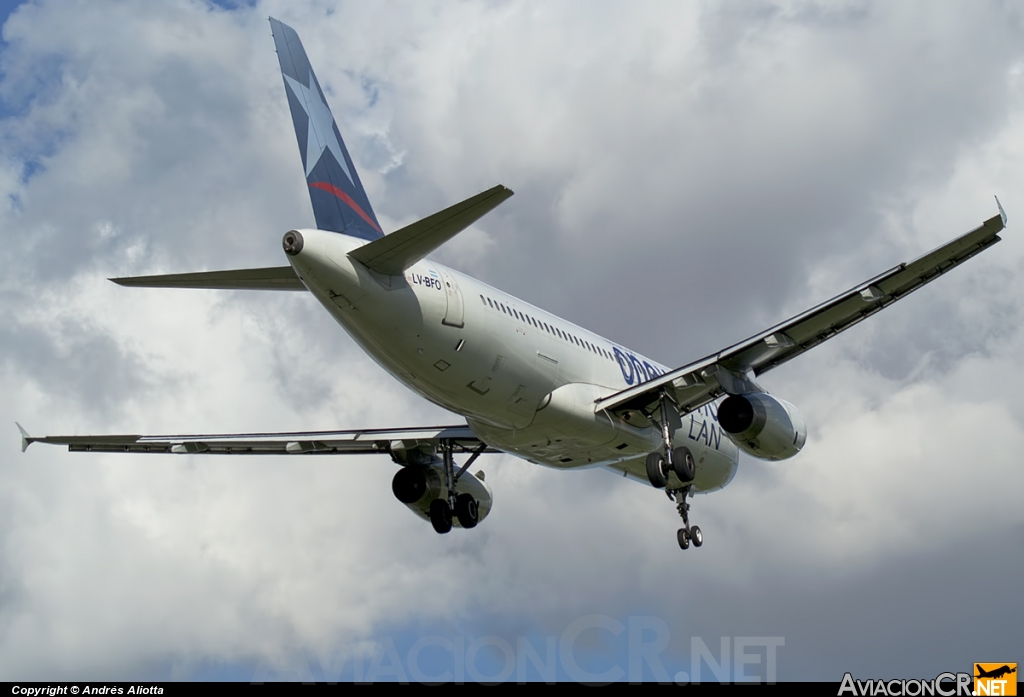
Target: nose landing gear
{"points": [[688, 533]]}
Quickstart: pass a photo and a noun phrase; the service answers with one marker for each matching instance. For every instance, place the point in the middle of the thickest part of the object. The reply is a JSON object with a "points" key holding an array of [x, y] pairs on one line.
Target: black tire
{"points": [[683, 538], [441, 516], [656, 470], [683, 464], [696, 536], [467, 511]]}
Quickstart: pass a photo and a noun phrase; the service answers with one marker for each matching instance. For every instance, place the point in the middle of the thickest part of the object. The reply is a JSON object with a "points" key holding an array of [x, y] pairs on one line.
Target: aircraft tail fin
{"points": [[339, 201]]}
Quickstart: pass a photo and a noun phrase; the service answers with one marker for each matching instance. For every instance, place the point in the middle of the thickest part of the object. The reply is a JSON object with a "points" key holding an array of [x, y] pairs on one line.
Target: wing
{"points": [[731, 371], [356, 442]]}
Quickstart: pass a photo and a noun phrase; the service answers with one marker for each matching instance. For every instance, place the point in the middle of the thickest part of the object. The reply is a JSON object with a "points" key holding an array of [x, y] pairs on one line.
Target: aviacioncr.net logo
{"points": [[945, 685], [995, 679]]}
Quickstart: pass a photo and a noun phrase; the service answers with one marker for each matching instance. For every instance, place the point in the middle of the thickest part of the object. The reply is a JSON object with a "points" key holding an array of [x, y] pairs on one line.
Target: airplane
{"points": [[526, 382], [995, 673]]}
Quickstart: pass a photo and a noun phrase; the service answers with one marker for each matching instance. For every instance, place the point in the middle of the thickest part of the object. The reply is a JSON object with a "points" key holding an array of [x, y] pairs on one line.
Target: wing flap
{"points": [[394, 253], [274, 278], [732, 369]]}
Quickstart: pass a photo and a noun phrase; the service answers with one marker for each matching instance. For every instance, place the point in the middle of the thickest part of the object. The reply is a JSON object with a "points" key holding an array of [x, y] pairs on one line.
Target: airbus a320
{"points": [[526, 382]]}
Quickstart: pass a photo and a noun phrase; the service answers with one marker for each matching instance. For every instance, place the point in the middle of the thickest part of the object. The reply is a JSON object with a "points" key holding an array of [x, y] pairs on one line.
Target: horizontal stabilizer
{"points": [[276, 278], [394, 253]]}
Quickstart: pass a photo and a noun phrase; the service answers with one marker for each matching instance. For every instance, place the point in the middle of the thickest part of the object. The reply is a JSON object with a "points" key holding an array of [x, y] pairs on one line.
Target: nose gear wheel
{"points": [[688, 534]]}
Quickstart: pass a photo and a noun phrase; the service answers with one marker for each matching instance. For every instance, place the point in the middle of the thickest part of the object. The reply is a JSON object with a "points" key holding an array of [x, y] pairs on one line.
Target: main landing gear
{"points": [[674, 471], [464, 506]]}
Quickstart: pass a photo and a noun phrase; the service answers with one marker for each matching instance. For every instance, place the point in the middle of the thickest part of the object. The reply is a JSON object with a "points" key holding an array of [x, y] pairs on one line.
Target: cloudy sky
{"points": [[719, 165]]}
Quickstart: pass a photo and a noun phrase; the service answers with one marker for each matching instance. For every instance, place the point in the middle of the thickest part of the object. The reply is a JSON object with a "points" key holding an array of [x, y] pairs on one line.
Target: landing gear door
{"points": [[454, 316]]}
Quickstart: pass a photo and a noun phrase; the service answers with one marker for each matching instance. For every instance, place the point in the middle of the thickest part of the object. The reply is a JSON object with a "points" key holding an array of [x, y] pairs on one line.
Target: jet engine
{"points": [[763, 426], [417, 486]]}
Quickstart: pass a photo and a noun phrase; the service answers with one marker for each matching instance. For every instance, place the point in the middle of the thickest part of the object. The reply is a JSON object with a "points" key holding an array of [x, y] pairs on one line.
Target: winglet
{"points": [[1002, 213], [26, 439]]}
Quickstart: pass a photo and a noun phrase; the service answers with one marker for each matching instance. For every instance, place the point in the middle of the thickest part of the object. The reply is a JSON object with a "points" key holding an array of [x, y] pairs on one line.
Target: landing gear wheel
{"points": [[683, 464], [656, 473], [467, 511], [688, 533], [441, 516]]}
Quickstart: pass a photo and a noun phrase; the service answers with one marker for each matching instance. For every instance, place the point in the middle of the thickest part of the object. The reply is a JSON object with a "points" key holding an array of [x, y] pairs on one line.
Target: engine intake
{"points": [[415, 485], [763, 426]]}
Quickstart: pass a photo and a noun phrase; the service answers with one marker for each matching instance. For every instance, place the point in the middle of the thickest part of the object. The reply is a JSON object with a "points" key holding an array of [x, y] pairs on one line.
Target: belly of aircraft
{"points": [[487, 380], [400, 326]]}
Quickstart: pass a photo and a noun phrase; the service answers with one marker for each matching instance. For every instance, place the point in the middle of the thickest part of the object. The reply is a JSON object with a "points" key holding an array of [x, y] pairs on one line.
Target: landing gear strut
{"points": [[677, 461], [674, 460], [464, 506]]}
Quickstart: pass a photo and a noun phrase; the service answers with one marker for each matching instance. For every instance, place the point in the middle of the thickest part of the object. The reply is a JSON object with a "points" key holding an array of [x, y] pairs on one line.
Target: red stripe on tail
{"points": [[330, 188]]}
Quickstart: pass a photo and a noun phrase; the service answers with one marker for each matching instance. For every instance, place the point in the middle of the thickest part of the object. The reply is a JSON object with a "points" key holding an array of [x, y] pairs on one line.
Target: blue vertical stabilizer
{"points": [[339, 201]]}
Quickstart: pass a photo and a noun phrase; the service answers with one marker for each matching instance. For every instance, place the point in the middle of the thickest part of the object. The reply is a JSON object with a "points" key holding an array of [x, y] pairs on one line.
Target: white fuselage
{"points": [[524, 379]]}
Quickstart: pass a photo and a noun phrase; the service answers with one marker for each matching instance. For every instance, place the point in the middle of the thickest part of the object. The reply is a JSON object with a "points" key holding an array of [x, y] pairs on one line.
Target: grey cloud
{"points": [[723, 165]]}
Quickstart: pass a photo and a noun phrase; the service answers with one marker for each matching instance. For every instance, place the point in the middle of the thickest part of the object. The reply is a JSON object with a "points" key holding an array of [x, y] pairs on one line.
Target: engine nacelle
{"points": [[763, 426], [418, 485]]}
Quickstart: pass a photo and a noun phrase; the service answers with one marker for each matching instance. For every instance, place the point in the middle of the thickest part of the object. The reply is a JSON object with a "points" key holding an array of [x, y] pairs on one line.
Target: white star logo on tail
{"points": [[320, 134]]}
